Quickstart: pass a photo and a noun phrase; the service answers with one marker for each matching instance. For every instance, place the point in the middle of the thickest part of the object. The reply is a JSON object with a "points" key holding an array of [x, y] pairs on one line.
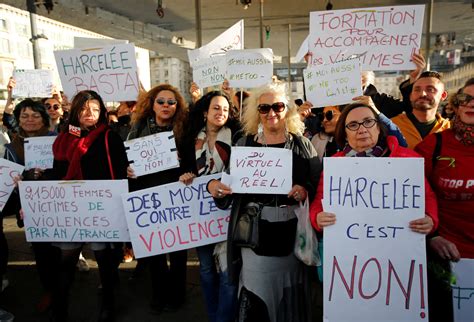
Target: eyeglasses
{"points": [[464, 99], [55, 106], [277, 107], [162, 101], [354, 126], [329, 115]]}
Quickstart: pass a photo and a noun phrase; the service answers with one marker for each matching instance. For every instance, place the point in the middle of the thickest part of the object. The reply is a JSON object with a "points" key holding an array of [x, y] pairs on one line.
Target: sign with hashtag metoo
{"points": [[333, 84]]}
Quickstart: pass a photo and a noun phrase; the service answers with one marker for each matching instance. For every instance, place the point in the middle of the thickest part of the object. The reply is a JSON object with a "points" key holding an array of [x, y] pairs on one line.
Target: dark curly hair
{"points": [[34, 106]]}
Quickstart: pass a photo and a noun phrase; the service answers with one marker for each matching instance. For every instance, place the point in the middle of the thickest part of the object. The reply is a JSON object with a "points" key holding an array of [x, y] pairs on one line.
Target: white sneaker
{"points": [[5, 284], [82, 265]]}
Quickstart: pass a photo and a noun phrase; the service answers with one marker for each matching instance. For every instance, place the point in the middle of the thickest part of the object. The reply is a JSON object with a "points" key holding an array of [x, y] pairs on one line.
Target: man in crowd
{"points": [[428, 91]]}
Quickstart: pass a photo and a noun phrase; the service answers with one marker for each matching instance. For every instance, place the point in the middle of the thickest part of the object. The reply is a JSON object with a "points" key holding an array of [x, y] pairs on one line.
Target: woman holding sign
{"points": [[162, 109], [208, 139], [449, 156], [89, 151], [361, 133], [274, 284], [33, 121]]}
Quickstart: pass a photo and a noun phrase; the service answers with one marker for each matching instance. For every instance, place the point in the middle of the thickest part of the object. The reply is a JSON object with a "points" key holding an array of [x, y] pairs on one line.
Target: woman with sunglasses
{"points": [[449, 157], [274, 284], [55, 111], [162, 109], [361, 134], [210, 132], [33, 121]]}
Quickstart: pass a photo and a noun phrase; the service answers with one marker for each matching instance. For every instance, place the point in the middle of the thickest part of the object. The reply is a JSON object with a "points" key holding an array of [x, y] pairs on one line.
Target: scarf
{"points": [[217, 160], [374, 152], [464, 132], [68, 147], [19, 141]]}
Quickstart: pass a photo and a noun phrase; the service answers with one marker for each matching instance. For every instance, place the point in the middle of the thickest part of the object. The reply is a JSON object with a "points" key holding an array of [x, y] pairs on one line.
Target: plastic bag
{"points": [[306, 242]]}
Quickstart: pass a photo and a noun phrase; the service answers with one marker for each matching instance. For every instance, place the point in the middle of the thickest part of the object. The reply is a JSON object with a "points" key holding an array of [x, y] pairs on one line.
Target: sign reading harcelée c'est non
{"points": [[374, 264], [111, 71], [74, 211]]}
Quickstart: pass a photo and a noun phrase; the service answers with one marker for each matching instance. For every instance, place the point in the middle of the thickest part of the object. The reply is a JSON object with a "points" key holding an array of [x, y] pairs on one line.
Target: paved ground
{"points": [[24, 291]]}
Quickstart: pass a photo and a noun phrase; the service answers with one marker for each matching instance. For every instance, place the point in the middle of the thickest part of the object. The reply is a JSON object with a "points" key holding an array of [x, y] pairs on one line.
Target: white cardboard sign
{"points": [[383, 38], [173, 217], [8, 171], [249, 68], [74, 211], [463, 290], [152, 153], [261, 170], [111, 71], [232, 38], [39, 152], [32, 83], [374, 265], [209, 71], [333, 84]]}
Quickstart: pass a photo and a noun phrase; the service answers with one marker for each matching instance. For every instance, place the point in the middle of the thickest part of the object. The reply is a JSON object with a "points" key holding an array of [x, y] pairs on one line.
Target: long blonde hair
{"points": [[251, 116]]}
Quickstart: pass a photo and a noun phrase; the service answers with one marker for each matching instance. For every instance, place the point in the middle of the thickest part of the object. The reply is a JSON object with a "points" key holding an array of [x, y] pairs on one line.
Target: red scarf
{"points": [[68, 147]]}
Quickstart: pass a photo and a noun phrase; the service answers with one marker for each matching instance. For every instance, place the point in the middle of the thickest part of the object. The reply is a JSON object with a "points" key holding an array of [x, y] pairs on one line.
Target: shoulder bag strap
{"points": [[108, 154]]}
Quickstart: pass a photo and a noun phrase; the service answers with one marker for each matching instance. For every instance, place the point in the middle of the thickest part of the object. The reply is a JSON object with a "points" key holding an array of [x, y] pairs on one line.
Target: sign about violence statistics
{"points": [[111, 71], [383, 38], [173, 217], [374, 264], [74, 211]]}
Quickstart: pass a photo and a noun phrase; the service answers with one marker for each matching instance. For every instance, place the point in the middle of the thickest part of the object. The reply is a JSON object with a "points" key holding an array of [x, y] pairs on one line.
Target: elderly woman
{"points": [[449, 156], [273, 282], [213, 123], [162, 109], [361, 133], [89, 151], [33, 121]]}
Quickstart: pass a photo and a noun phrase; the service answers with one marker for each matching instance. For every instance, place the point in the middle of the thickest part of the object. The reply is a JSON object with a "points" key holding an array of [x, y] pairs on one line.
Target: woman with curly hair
{"points": [[162, 109]]}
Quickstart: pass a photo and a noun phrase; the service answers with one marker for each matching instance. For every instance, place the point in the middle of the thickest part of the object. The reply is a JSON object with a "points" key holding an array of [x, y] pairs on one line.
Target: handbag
{"points": [[246, 229], [306, 241]]}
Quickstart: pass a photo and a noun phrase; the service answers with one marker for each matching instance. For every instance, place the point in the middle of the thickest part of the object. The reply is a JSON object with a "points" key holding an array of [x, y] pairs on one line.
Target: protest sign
{"points": [[82, 211], [32, 83], [261, 170], [111, 71], [173, 217], [463, 290], [303, 50], [374, 264], [39, 152], [383, 38], [8, 171], [249, 68], [232, 38], [333, 84], [209, 71], [152, 153]]}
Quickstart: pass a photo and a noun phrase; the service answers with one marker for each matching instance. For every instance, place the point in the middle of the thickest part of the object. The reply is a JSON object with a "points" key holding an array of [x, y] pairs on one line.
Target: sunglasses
{"points": [[277, 107], [464, 99], [329, 115], [55, 106], [162, 101], [354, 126]]}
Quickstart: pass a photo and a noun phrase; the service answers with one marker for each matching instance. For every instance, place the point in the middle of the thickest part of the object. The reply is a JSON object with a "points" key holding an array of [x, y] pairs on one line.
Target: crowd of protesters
{"points": [[240, 283]]}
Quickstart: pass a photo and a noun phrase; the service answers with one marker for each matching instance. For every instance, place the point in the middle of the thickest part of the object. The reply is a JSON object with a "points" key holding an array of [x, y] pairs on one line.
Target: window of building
{"points": [[5, 46], [22, 30], [24, 49], [3, 25]]}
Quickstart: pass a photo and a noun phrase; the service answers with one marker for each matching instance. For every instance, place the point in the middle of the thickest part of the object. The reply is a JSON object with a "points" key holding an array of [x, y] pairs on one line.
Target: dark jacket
{"points": [[389, 105], [306, 171]]}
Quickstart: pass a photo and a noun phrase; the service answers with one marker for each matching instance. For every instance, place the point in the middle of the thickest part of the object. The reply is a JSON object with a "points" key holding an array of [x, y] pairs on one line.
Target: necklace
{"points": [[287, 140]]}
